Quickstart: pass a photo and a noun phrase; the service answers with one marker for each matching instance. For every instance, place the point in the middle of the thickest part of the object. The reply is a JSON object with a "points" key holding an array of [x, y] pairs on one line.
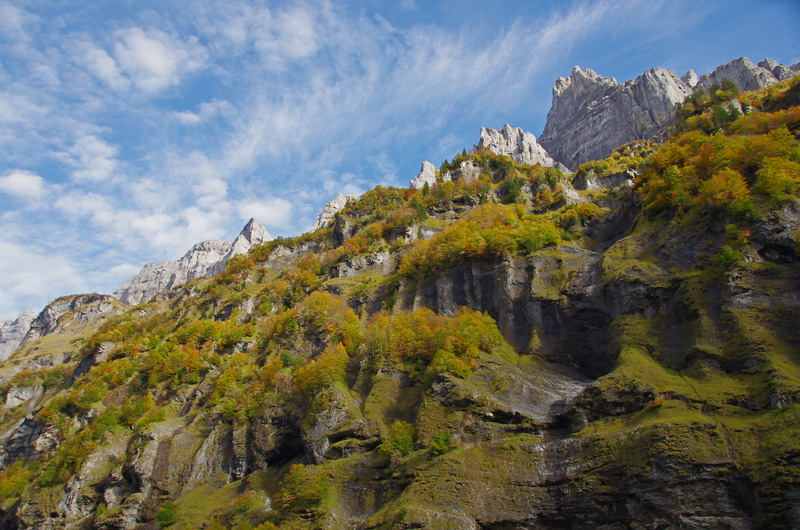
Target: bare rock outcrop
{"points": [[86, 308], [427, 175], [204, 259], [332, 208], [744, 74], [591, 115], [13, 331], [520, 145]]}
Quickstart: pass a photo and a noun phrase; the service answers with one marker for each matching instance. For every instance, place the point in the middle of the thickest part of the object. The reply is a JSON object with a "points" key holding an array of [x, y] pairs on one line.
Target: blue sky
{"points": [[130, 130]]}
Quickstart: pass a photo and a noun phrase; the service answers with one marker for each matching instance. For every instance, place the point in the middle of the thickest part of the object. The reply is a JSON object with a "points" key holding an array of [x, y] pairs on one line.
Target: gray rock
{"points": [[13, 331], [466, 171], [521, 146], [426, 175], [86, 308], [380, 262], [206, 258], [17, 395], [690, 78], [592, 115], [332, 208], [744, 74], [591, 181]]}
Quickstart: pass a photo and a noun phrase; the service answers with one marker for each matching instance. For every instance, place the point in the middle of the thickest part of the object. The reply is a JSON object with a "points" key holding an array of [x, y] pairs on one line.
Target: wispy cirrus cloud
{"points": [[128, 134]]}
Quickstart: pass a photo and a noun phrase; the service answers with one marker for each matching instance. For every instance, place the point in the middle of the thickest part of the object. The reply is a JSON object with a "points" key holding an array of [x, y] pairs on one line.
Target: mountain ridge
{"points": [[489, 352]]}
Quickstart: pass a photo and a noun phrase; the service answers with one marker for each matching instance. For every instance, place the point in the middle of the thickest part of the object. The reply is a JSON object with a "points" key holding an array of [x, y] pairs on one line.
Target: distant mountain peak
{"points": [[206, 258]]}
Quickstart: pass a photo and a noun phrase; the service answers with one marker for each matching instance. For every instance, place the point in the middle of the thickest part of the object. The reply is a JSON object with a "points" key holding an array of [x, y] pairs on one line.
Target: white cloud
{"points": [[22, 183], [154, 60], [289, 34], [94, 159], [17, 108], [205, 111], [101, 64], [270, 211], [31, 278]]}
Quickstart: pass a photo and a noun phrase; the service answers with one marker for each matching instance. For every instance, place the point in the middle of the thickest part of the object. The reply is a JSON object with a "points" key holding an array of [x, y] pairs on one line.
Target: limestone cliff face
{"points": [[426, 175], [746, 75], [517, 144], [332, 208], [13, 331], [591, 115], [204, 259]]}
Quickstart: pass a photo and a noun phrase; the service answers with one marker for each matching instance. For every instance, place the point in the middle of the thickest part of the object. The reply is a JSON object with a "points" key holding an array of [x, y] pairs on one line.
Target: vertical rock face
{"points": [[204, 259], [744, 74], [591, 115], [332, 208], [426, 175], [13, 331], [517, 144]]}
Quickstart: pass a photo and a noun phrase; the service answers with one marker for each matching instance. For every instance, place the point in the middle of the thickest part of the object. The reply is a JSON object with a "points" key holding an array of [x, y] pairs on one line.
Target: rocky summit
{"points": [[591, 115], [521, 146], [506, 346], [206, 258], [332, 208]]}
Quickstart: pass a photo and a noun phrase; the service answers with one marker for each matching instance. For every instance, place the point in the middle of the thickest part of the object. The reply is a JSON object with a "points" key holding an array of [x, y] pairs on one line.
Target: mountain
{"points": [[491, 352], [746, 75], [591, 115], [332, 208], [13, 331], [427, 175], [521, 146], [203, 259]]}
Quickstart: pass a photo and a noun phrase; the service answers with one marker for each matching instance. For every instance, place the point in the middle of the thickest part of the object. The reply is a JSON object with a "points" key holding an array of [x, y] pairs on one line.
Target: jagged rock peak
{"points": [[254, 232], [426, 175], [332, 208], [517, 144], [690, 78], [591, 115], [13, 331], [744, 74], [206, 258]]}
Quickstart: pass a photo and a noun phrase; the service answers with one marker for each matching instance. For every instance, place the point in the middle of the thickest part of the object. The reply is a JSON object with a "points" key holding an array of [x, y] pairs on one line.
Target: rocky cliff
{"points": [[490, 354], [203, 259], [591, 115], [332, 208], [13, 331], [746, 75], [520, 145], [427, 175]]}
